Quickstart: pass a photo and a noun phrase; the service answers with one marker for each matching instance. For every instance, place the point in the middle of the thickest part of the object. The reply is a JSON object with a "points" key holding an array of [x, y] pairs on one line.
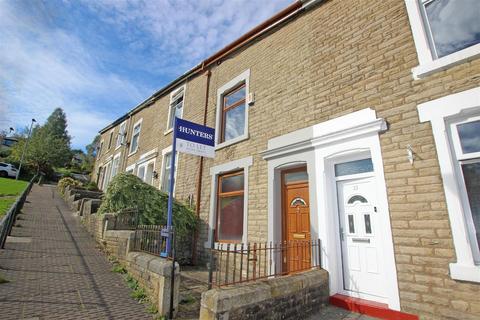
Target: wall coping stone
{"points": [[220, 300]]}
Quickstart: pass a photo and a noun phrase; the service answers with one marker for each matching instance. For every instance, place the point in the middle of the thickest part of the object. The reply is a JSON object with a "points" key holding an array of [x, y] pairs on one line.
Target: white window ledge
{"points": [[428, 68], [167, 131], [465, 272], [231, 141], [132, 153]]}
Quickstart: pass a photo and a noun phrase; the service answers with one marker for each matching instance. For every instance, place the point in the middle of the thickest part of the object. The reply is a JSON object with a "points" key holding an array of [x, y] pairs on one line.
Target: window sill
{"points": [[116, 148], [462, 56], [465, 272], [168, 131], [230, 142], [132, 153]]}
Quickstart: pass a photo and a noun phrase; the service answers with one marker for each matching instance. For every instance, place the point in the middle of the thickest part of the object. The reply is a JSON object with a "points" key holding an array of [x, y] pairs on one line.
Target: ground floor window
{"points": [[230, 207], [455, 121], [145, 172]]}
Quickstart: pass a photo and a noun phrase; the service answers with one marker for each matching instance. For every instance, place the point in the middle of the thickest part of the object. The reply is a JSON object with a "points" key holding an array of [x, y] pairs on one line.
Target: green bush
{"points": [[65, 182], [91, 186], [128, 191]]}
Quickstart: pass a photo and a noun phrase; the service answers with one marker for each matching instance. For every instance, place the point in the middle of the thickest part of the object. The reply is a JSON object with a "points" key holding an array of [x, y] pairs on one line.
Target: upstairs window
{"points": [[110, 140], [233, 113], [99, 150], [135, 137], [176, 107], [451, 25], [122, 132], [446, 33]]}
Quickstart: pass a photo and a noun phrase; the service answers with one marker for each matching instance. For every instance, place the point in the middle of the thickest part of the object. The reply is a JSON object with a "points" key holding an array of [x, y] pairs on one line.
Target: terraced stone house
{"points": [[355, 122]]}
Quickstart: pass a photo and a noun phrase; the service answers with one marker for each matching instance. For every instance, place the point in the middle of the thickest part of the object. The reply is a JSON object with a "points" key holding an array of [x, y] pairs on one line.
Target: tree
{"points": [[44, 151], [49, 145], [92, 147], [56, 125]]}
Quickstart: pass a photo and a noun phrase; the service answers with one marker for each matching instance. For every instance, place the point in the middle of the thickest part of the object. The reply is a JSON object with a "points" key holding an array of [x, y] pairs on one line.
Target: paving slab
{"points": [[56, 271]]}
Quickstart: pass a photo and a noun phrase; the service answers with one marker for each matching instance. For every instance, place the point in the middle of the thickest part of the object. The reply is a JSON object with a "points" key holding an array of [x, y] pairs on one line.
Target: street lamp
{"points": [[25, 148]]}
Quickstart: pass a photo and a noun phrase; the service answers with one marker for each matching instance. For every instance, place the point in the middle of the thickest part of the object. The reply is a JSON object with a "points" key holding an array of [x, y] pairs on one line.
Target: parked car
{"points": [[7, 170]]}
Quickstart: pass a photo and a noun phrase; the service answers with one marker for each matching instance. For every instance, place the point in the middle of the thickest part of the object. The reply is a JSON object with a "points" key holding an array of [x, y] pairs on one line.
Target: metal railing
{"points": [[126, 219], [152, 239], [6, 223], [238, 263]]}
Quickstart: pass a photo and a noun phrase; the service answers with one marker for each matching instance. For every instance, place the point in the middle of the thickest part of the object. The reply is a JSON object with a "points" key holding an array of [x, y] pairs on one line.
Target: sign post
{"points": [[191, 138]]}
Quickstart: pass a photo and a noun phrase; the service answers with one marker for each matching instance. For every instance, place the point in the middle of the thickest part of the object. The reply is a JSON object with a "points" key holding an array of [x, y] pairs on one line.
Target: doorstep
{"points": [[370, 308]]}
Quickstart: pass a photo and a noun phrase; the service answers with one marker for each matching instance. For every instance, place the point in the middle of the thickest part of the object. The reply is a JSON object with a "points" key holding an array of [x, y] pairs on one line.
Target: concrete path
{"points": [[56, 271]]}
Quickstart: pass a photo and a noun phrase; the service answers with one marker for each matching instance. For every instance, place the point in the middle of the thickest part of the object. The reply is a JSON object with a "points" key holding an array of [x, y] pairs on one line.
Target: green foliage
{"points": [[127, 191], [65, 182], [91, 186], [3, 280], [56, 125], [118, 268], [44, 150], [5, 204]]}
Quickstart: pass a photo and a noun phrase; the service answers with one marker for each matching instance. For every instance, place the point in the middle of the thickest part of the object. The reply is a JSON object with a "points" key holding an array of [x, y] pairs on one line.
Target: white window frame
{"points": [[138, 123], [107, 174], [168, 150], [442, 113], [145, 165], [244, 77], [236, 165], [427, 63], [100, 149], [173, 97], [110, 139], [122, 134], [115, 157]]}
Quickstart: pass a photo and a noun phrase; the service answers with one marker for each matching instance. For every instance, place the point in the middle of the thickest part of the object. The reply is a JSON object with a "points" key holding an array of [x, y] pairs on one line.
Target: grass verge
{"points": [[9, 191]]}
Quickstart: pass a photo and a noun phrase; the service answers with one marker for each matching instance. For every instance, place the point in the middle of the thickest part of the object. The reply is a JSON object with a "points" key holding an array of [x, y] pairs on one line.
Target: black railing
{"points": [[238, 263], [126, 219], [152, 239], [6, 223]]}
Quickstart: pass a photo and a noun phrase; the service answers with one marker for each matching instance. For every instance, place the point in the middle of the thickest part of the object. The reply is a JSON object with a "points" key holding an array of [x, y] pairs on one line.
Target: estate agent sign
{"points": [[195, 139], [191, 138]]}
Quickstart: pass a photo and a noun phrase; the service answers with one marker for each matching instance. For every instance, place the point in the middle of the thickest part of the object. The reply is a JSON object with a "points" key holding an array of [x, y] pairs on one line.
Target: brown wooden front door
{"points": [[296, 220]]}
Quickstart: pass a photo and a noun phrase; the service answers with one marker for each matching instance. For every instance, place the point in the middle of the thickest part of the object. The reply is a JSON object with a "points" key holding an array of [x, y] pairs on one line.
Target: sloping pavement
{"points": [[55, 270]]}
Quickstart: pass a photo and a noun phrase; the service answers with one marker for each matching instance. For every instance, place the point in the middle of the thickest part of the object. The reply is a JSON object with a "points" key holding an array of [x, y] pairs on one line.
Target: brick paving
{"points": [[56, 271]]}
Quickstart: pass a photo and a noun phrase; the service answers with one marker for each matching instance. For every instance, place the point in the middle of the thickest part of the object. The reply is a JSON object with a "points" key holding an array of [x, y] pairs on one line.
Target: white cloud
{"points": [[43, 68], [188, 30]]}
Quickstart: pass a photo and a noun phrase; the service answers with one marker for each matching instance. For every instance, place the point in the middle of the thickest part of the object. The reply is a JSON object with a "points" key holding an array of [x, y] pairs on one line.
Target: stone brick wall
{"points": [[291, 297], [341, 57]]}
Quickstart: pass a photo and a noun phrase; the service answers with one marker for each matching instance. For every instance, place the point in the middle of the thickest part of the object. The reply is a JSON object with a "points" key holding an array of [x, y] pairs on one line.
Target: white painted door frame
{"points": [[320, 147]]}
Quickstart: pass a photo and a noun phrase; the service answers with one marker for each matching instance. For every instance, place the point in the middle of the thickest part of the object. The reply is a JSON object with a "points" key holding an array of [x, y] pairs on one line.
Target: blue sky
{"points": [[98, 59]]}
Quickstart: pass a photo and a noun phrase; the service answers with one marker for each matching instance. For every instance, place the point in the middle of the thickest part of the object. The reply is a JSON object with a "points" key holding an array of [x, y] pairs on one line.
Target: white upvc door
{"points": [[360, 237]]}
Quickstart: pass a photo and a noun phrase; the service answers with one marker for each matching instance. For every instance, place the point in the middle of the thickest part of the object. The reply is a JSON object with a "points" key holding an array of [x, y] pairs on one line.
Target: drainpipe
{"points": [[200, 171]]}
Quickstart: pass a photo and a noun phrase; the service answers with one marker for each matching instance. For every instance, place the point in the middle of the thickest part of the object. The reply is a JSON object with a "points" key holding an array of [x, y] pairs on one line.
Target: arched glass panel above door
{"points": [[357, 198]]}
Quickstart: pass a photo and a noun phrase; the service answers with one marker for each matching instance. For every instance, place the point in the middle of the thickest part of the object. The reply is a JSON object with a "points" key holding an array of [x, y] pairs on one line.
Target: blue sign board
{"points": [[194, 139]]}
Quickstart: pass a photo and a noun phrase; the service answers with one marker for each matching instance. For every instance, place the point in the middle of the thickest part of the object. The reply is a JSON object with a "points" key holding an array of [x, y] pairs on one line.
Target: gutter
{"points": [[292, 10]]}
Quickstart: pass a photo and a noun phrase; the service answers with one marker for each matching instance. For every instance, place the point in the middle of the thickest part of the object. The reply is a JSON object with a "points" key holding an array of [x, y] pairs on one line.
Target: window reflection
{"points": [[234, 122], [469, 134], [471, 174], [454, 25]]}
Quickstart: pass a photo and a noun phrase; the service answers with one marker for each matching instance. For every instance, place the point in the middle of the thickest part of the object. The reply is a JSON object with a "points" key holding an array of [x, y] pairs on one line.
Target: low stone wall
{"points": [[117, 243], [95, 225], [90, 206], [289, 297], [154, 274]]}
